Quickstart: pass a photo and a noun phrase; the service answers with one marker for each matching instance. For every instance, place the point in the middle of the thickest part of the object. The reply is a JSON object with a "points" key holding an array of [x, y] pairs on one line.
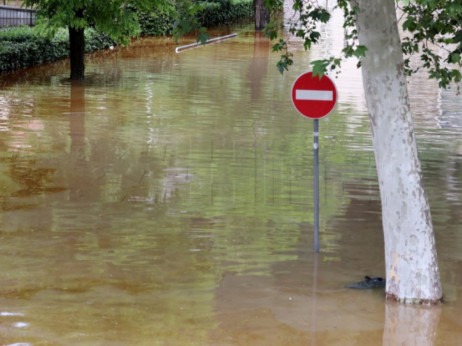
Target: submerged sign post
{"points": [[314, 98]]}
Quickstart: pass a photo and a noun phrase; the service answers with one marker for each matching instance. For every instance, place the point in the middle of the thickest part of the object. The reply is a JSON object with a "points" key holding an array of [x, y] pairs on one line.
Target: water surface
{"points": [[167, 200]]}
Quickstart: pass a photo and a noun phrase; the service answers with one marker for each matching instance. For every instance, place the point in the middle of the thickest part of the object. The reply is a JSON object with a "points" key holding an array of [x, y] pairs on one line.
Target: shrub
{"points": [[219, 12], [21, 47], [155, 24], [226, 12]]}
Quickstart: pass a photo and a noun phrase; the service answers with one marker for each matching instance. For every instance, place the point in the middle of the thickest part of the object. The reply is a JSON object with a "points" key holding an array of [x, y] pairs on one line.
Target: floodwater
{"points": [[167, 200]]}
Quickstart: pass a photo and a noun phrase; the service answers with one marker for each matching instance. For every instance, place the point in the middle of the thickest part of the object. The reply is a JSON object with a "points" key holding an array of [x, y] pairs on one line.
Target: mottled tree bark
{"points": [[410, 254]]}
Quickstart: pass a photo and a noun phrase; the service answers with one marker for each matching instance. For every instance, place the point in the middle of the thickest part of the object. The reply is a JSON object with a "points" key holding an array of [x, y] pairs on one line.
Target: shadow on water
{"points": [[167, 200]]}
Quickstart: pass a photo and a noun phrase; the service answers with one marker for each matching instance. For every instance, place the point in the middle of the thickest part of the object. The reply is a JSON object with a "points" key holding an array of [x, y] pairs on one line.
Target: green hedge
{"points": [[226, 12], [222, 12], [21, 47], [155, 24]]}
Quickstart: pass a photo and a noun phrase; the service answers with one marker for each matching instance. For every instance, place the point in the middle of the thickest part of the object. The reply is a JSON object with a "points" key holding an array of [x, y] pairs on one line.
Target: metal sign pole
{"points": [[314, 97], [316, 184]]}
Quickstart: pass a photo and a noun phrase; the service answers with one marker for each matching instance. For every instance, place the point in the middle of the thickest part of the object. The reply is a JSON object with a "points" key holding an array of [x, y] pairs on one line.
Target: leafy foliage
{"points": [[155, 23], [225, 12], [117, 18], [21, 47], [434, 26], [309, 15], [196, 16]]}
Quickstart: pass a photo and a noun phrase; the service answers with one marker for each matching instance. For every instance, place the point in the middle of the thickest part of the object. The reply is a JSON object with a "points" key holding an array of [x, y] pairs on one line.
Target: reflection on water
{"points": [[167, 199], [411, 325]]}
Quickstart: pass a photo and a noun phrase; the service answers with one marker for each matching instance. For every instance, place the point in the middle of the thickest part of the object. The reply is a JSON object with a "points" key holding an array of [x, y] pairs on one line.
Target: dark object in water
{"points": [[368, 283]]}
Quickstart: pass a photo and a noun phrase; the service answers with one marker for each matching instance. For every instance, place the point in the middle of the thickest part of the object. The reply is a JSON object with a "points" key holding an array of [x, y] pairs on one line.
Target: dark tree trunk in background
{"points": [[262, 15], [77, 50]]}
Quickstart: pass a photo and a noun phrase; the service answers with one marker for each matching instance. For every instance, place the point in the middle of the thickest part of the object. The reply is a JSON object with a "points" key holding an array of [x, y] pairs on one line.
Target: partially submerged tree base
{"points": [[116, 18], [411, 263], [413, 301]]}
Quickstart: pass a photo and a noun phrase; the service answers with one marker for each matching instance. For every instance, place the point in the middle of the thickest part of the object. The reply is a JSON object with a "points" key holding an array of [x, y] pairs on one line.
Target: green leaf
{"points": [[360, 51], [457, 37], [284, 63], [203, 36], [455, 58], [320, 67]]}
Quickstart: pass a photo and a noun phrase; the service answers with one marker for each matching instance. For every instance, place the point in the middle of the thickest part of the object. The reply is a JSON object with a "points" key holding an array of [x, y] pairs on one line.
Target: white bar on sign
{"points": [[314, 95]]}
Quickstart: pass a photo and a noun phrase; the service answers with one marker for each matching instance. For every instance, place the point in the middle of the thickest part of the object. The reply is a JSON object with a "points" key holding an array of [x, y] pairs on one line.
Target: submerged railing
{"points": [[199, 44], [14, 16]]}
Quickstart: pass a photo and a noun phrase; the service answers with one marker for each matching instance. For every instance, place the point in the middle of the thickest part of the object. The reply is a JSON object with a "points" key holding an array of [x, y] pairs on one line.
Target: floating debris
{"points": [[368, 283]]}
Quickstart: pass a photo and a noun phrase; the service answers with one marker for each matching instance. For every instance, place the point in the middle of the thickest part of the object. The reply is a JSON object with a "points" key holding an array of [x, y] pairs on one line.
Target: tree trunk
{"points": [[410, 254], [262, 15], [77, 50]]}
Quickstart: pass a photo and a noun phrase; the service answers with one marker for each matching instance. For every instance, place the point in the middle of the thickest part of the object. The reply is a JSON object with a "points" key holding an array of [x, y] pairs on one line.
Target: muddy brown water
{"points": [[167, 200]]}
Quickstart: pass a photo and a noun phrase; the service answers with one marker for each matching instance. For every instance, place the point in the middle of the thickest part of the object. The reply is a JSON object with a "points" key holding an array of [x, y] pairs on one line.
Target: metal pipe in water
{"points": [[198, 44]]}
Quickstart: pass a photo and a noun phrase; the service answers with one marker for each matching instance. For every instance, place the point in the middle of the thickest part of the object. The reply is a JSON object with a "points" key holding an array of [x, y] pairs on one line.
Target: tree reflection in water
{"points": [[410, 325]]}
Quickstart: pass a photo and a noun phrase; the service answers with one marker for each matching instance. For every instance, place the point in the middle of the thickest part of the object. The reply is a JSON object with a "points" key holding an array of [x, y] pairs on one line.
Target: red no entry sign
{"points": [[314, 97]]}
